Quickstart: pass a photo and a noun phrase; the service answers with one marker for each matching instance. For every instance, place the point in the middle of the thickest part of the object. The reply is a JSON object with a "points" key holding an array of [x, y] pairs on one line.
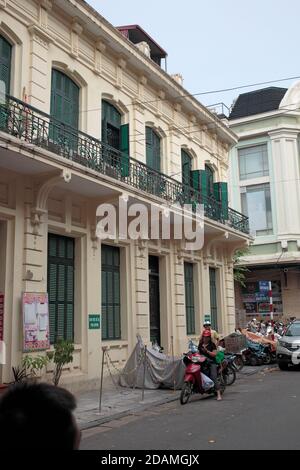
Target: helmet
{"points": [[207, 323], [206, 333]]}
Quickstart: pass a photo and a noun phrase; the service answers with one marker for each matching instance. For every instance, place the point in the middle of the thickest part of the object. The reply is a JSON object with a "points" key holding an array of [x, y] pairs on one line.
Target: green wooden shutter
{"points": [[110, 286], [61, 287], [125, 150], [209, 180], [189, 298], [213, 298], [153, 149], [5, 63], [186, 168], [64, 99], [221, 195], [199, 181]]}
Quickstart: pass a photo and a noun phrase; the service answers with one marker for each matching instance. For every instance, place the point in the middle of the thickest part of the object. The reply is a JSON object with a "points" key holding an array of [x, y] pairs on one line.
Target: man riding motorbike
{"points": [[208, 349], [214, 333]]}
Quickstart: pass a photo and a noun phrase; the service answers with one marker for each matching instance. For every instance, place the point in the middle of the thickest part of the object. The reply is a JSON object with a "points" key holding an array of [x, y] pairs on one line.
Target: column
{"points": [[285, 185]]}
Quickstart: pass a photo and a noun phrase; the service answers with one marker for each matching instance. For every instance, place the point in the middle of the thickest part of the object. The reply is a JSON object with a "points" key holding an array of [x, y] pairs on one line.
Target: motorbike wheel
{"points": [[267, 359], [186, 392], [229, 376], [253, 361], [239, 363]]}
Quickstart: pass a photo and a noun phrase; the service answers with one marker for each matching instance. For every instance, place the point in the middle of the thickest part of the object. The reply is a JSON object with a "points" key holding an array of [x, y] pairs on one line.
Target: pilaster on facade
{"points": [[76, 32], [38, 69], [285, 153], [141, 291]]}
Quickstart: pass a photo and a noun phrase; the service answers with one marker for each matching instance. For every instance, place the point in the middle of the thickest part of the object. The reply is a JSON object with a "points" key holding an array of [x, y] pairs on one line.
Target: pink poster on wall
{"points": [[35, 322]]}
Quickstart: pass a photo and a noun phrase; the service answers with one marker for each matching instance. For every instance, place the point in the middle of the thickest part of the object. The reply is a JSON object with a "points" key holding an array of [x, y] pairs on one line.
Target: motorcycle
{"points": [[229, 369], [270, 353], [195, 381], [254, 354], [238, 361]]}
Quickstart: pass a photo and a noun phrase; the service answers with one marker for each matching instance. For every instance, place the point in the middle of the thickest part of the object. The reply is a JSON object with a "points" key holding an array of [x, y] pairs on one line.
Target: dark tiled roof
{"points": [[258, 101]]}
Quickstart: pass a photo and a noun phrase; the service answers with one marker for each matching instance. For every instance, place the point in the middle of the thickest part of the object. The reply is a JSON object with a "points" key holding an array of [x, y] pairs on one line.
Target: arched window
{"points": [[153, 149], [111, 125], [209, 180], [64, 99], [5, 63], [186, 168]]}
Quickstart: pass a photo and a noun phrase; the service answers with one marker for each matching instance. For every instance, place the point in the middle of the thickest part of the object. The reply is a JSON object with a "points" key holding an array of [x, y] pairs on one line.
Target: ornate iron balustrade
{"points": [[31, 125]]}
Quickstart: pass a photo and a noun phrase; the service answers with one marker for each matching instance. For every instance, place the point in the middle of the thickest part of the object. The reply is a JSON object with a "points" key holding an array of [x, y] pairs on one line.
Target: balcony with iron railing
{"points": [[33, 126]]}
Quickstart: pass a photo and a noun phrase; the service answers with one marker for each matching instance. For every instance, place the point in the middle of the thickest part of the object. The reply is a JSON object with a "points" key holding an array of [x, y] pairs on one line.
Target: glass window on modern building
{"points": [[189, 298], [253, 162], [256, 204]]}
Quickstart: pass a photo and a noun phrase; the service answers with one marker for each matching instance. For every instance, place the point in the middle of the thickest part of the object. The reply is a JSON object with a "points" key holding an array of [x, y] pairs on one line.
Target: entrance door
{"points": [[154, 299]]}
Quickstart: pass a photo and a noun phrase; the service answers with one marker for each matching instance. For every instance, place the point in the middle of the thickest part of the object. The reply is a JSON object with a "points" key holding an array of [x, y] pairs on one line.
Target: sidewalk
{"points": [[118, 401]]}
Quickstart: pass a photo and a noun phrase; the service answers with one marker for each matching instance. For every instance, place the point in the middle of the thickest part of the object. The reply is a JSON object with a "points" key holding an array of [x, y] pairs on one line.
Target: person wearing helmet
{"points": [[214, 333], [208, 349]]}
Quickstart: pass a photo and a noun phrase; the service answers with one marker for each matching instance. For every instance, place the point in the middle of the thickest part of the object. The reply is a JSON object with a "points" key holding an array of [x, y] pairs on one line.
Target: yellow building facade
{"points": [[80, 98]]}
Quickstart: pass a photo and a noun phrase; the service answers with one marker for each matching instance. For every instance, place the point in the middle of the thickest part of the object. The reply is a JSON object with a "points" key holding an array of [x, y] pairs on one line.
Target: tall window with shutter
{"points": [[189, 298], [111, 301], [209, 181], [64, 99], [5, 63], [186, 166], [213, 297], [153, 149], [61, 287]]}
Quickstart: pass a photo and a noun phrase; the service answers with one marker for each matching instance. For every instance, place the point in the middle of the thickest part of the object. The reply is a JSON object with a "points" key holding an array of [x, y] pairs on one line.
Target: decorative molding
{"points": [[95, 239], [40, 207], [40, 35], [122, 62], [100, 45], [2, 4], [47, 4], [77, 27]]}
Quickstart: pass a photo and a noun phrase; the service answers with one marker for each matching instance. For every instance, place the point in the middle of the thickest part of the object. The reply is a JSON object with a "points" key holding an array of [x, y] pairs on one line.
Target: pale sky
{"points": [[218, 44]]}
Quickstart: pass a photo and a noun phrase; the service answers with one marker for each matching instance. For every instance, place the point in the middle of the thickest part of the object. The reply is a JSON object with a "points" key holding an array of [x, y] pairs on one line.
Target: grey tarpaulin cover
{"points": [[161, 371]]}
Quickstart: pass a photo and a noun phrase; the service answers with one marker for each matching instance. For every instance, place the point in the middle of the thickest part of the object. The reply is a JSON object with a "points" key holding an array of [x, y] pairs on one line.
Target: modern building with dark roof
{"points": [[257, 102], [265, 185]]}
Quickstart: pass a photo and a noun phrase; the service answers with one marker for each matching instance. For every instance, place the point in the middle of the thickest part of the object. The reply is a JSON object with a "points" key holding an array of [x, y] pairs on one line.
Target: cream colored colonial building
{"points": [[90, 115]]}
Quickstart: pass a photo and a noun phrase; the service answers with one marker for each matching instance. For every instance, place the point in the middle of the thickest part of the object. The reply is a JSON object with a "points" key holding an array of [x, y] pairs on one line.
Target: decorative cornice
{"points": [[39, 34], [77, 27], [47, 4]]}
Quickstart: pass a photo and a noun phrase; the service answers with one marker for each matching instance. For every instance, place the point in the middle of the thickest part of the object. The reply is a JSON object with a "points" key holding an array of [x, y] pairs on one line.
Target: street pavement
{"points": [[260, 411]]}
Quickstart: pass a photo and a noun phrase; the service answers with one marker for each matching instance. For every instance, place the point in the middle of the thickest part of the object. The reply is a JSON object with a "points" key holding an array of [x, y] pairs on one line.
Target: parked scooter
{"points": [[270, 353], [229, 369], [254, 355], [195, 381]]}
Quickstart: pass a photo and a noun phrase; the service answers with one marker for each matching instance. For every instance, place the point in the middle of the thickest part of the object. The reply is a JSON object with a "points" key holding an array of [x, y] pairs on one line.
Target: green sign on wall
{"points": [[94, 322]]}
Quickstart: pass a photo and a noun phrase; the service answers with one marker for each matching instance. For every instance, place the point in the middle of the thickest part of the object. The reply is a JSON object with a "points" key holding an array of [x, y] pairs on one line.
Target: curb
{"points": [[122, 414]]}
